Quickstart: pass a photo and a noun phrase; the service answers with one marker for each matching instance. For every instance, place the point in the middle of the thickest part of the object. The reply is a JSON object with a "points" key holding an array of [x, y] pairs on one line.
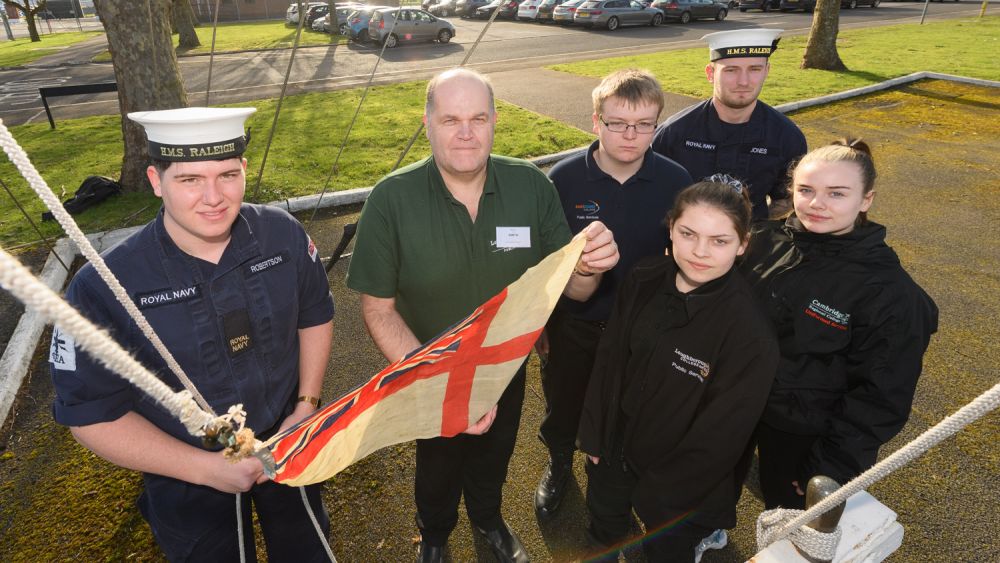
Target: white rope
{"points": [[239, 527], [21, 283], [968, 414], [37, 183], [316, 526], [816, 544]]}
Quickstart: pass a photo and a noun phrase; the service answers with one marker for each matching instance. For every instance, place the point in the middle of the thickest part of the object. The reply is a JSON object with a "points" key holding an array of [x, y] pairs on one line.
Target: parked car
{"points": [[357, 23], [411, 24], [686, 10], [343, 14], [616, 13], [508, 9], [443, 8], [792, 5], [563, 13], [851, 4], [546, 10], [528, 10], [762, 5], [467, 8], [292, 13]]}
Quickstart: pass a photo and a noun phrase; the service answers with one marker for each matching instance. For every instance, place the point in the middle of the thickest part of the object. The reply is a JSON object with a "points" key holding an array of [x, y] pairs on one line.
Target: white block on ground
{"points": [[870, 534]]}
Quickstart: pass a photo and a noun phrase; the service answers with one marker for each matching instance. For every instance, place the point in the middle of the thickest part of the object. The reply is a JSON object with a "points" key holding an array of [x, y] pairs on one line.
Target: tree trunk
{"points": [[142, 53], [334, 22], [183, 21], [821, 49], [29, 16]]}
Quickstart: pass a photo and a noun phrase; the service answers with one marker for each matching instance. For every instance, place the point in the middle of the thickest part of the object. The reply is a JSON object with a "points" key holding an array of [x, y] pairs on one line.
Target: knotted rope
{"points": [[37, 183], [964, 416], [812, 542], [21, 283]]}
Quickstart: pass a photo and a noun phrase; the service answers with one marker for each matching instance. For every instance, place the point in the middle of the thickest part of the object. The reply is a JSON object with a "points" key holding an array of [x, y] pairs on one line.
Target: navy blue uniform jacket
{"points": [[757, 152]]}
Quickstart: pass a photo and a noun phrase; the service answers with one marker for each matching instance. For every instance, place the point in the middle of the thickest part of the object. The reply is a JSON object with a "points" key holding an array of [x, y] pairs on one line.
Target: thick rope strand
{"points": [[966, 415], [37, 183], [315, 523], [21, 283]]}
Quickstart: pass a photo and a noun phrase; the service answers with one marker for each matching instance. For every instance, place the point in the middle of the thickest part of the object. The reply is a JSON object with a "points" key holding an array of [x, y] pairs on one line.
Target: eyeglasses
{"points": [[641, 128]]}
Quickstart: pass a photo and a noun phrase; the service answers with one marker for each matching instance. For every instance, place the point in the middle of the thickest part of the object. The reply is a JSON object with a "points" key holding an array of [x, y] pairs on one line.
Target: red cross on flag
{"points": [[440, 389]]}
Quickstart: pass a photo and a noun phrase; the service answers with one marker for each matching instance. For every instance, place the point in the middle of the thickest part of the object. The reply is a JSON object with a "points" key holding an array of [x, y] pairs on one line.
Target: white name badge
{"points": [[513, 237]]}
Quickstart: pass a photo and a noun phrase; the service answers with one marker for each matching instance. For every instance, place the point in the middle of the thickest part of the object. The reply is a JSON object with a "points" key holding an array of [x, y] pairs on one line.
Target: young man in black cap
{"points": [[239, 296], [734, 132], [621, 182]]}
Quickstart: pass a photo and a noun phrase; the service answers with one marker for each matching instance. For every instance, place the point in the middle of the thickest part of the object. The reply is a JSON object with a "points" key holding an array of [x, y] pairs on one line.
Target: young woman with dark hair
{"points": [[681, 376]]}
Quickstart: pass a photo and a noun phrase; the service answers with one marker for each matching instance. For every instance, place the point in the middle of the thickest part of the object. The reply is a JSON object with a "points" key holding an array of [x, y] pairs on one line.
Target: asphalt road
{"points": [[507, 45]]}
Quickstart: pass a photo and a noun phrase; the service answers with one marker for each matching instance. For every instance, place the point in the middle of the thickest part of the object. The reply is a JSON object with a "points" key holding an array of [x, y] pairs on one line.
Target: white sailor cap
{"points": [[742, 43], [189, 134]]}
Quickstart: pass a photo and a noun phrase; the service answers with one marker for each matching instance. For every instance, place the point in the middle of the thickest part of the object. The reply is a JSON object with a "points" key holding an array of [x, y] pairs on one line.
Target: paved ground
{"points": [[936, 144]]}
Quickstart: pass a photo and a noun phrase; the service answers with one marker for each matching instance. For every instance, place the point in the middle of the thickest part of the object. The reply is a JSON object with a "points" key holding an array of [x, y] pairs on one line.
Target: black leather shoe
{"points": [[430, 553], [506, 546], [552, 487]]}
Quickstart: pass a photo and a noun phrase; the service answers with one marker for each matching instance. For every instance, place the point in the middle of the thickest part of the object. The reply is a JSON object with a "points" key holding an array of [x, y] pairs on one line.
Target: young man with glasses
{"points": [[621, 182]]}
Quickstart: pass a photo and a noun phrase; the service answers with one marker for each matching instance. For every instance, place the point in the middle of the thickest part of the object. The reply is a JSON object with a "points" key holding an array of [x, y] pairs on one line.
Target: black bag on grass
{"points": [[93, 190]]}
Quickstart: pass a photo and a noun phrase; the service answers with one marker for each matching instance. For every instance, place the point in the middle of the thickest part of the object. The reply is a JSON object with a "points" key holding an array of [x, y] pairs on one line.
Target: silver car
{"points": [[412, 24], [563, 14], [616, 13]]}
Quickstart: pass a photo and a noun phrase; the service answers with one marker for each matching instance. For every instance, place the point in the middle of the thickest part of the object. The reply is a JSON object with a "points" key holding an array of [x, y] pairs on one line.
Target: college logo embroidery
{"points": [[267, 263], [828, 315], [689, 365], [587, 210], [313, 253], [166, 296], [62, 351]]}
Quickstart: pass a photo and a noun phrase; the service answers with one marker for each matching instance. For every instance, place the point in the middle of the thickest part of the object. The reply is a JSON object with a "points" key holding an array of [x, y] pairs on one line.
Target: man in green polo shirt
{"points": [[437, 239]]}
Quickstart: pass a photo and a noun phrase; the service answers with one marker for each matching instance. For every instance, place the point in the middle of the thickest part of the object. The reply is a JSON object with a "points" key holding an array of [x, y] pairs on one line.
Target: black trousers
{"points": [[781, 454], [609, 499], [192, 523], [474, 466], [572, 349]]}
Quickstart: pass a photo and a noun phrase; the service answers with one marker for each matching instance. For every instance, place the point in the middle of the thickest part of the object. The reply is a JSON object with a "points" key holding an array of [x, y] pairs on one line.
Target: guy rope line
{"points": [[961, 418], [37, 183], [371, 79], [350, 126], [45, 239], [281, 98], [211, 52], [19, 281]]}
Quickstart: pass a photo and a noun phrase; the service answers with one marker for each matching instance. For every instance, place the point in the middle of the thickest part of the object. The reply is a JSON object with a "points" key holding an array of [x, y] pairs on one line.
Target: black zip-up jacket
{"points": [[687, 413], [853, 327]]}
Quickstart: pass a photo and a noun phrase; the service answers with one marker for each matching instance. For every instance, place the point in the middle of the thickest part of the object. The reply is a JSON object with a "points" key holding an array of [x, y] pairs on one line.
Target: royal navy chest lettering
{"points": [[166, 296], [694, 144], [259, 266]]}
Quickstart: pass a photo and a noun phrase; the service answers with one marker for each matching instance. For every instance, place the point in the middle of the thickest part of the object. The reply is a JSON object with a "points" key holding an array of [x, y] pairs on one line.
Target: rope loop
{"points": [[816, 544]]}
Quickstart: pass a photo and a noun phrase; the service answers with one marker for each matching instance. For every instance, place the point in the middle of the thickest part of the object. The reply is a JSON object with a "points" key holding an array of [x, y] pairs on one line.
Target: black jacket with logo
{"points": [[685, 410], [853, 327]]}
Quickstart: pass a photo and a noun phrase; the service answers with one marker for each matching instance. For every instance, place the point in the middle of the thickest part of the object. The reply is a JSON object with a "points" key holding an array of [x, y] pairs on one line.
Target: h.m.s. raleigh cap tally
{"points": [[190, 134], [742, 43]]}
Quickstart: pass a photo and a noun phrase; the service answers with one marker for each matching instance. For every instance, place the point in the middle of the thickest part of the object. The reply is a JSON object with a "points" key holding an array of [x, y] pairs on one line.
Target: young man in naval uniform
{"points": [[239, 296], [734, 132]]}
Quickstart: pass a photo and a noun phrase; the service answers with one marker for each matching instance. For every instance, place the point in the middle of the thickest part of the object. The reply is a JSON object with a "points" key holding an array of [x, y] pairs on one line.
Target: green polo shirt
{"points": [[417, 243]]}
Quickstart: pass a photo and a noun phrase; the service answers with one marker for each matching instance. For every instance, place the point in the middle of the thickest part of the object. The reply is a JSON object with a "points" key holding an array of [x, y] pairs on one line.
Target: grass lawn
{"points": [[310, 131], [21, 51], [962, 47]]}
